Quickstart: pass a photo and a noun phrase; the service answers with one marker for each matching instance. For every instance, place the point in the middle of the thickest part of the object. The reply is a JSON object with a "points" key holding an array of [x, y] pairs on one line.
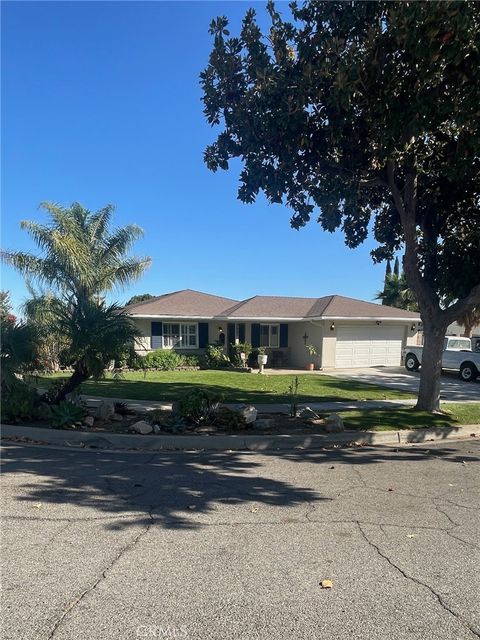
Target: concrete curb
{"points": [[101, 440]]}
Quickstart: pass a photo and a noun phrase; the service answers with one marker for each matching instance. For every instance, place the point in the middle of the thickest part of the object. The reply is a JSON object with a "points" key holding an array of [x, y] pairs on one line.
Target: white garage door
{"points": [[369, 346]]}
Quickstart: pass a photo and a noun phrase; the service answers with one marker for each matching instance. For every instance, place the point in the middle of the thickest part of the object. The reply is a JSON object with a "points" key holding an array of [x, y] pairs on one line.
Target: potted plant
{"points": [[312, 350], [262, 357]]}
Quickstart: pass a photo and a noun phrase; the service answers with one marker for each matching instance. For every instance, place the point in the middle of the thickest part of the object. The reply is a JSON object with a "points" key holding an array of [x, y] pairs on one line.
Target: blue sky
{"points": [[101, 103]]}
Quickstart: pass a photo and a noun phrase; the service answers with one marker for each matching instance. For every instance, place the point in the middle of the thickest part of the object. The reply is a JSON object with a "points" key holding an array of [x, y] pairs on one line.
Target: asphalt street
{"points": [[102, 546]]}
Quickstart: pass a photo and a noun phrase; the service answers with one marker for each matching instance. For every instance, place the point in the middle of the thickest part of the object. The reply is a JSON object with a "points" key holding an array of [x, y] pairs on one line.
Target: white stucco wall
{"points": [[298, 354], [319, 334]]}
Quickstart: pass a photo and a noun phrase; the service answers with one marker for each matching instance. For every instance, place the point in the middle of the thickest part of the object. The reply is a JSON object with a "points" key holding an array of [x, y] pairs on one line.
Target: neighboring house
{"points": [[346, 332]]}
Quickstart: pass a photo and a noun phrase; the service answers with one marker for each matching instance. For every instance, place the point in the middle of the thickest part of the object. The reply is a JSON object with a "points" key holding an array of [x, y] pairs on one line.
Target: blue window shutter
{"points": [[284, 335], [241, 332], [255, 335], [230, 333], [157, 333], [202, 335]]}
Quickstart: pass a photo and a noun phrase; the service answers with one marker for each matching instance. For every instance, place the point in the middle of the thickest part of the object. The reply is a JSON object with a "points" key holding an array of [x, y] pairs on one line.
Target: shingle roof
{"points": [[194, 304], [184, 303], [326, 307]]}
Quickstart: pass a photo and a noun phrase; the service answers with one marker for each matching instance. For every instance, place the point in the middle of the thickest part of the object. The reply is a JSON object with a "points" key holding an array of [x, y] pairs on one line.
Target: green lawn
{"points": [[234, 387], [409, 418]]}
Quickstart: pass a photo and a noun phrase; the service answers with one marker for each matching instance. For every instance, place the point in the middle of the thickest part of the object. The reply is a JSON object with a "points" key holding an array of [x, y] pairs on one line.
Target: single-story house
{"points": [[345, 332]]}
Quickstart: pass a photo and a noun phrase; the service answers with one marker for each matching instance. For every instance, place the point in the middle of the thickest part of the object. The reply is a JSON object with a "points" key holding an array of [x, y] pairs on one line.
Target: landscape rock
{"points": [[141, 427], [88, 421], [308, 413], [249, 413], [117, 417], [156, 428], [105, 410], [334, 424]]}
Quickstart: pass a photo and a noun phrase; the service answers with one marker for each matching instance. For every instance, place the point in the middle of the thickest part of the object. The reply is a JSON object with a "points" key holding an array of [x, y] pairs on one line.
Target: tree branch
{"points": [[427, 299], [455, 310]]}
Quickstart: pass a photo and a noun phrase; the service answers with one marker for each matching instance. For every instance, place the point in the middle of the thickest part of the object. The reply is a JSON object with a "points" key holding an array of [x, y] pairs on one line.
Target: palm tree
{"points": [[396, 293], [17, 353], [83, 256], [97, 333], [82, 259]]}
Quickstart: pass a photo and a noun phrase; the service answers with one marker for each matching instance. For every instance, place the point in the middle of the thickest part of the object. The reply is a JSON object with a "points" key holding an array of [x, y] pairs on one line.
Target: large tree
{"points": [[81, 258], [364, 114], [140, 297]]}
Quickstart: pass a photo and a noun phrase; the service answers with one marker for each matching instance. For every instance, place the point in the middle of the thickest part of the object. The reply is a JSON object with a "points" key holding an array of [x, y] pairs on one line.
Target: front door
{"points": [[235, 334]]}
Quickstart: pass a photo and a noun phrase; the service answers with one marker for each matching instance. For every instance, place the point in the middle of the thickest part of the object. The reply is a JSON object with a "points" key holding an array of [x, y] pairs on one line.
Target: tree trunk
{"points": [[79, 375], [431, 369], [467, 329]]}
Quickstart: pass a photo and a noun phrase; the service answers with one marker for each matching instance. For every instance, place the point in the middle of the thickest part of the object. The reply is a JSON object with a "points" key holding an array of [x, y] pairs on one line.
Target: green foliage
{"points": [[241, 347], [199, 406], [6, 308], [230, 419], [191, 361], [215, 358], [18, 403], [66, 414], [56, 384], [122, 409], [168, 360], [397, 293], [158, 416], [43, 411], [97, 334], [82, 258], [312, 350], [363, 115], [52, 344], [82, 255], [18, 353], [142, 297], [292, 394]]}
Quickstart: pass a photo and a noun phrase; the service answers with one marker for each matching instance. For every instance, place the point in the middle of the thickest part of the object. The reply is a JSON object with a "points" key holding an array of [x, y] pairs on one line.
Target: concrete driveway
{"points": [[121, 546], [452, 388]]}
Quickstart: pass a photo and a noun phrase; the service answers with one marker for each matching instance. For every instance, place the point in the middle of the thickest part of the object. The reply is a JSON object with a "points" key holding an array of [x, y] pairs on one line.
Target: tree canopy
{"points": [[141, 297], [82, 255], [366, 116]]}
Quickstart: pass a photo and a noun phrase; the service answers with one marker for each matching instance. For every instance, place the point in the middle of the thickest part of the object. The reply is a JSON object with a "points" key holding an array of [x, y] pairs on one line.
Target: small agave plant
{"points": [[66, 414]]}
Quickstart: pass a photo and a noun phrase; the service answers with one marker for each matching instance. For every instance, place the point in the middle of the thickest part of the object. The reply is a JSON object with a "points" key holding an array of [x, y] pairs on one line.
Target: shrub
{"points": [[52, 391], [167, 360], [230, 419], [215, 358], [168, 421], [18, 403], [163, 360], [199, 406], [122, 409], [191, 361], [66, 414], [241, 347]]}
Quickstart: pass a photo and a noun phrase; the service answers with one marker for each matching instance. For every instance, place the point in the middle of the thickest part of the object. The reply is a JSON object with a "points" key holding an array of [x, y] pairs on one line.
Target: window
{"points": [[457, 345], [177, 335], [269, 335]]}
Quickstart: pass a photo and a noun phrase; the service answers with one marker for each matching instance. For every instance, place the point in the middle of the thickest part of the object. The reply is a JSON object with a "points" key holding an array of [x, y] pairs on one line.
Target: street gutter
{"points": [[116, 441]]}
